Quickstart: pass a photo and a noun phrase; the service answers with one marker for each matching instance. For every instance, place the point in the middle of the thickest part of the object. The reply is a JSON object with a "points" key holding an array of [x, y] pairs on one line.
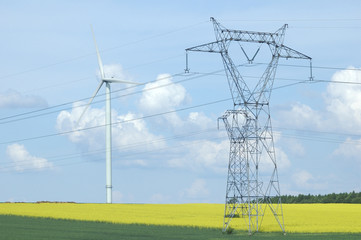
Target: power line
{"points": [[99, 95], [79, 100], [128, 147], [187, 79], [114, 123], [310, 136], [297, 20], [85, 78], [167, 33], [104, 50], [123, 156], [316, 67], [306, 135], [326, 28]]}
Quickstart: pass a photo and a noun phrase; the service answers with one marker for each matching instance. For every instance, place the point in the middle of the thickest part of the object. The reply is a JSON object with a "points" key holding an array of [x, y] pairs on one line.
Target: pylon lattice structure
{"points": [[249, 128]]}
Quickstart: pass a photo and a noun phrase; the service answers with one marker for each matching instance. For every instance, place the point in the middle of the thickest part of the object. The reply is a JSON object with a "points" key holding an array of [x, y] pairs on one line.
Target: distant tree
{"points": [[356, 200], [345, 197]]}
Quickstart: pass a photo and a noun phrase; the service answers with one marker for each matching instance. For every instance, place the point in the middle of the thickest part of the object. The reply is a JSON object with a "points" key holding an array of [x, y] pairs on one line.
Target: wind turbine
{"points": [[108, 124]]}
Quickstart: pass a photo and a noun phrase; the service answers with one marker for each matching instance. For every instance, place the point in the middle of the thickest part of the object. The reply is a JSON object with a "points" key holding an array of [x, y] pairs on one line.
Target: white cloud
{"points": [[68, 121], [23, 160], [128, 131], [198, 121], [198, 189], [343, 106], [266, 165], [302, 178], [115, 71], [131, 131], [14, 99], [135, 163], [162, 96], [295, 147], [301, 115], [117, 196], [203, 155], [159, 198], [282, 161], [350, 148], [305, 181], [159, 98], [344, 100]]}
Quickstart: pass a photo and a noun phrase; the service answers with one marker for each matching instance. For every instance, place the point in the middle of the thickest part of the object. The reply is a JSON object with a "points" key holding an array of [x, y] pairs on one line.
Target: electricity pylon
{"points": [[249, 128]]}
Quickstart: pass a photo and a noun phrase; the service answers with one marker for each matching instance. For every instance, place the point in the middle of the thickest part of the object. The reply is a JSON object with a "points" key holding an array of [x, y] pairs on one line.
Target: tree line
{"points": [[351, 197]]}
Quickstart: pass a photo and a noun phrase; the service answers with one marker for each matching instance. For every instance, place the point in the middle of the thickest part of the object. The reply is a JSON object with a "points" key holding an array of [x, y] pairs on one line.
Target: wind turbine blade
{"points": [[98, 55], [90, 101], [114, 80]]}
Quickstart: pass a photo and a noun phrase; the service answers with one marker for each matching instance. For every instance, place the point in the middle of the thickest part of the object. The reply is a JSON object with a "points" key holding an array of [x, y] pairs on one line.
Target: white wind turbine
{"points": [[108, 124]]}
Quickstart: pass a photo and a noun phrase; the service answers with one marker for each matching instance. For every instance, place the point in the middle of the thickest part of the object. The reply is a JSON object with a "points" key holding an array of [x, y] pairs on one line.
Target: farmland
{"points": [[299, 218]]}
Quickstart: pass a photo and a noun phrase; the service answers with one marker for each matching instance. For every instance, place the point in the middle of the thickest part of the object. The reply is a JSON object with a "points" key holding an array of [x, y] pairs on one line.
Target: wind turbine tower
{"points": [[252, 155], [108, 117]]}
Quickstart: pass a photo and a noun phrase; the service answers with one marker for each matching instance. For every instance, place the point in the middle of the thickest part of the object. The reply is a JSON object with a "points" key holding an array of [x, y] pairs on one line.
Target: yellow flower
{"points": [[298, 217]]}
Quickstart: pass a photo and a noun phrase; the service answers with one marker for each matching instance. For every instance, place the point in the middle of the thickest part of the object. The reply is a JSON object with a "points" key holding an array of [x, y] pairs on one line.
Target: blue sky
{"points": [[48, 70]]}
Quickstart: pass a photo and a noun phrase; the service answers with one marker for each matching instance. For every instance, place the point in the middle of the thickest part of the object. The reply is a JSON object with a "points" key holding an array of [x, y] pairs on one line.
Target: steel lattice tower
{"points": [[249, 128]]}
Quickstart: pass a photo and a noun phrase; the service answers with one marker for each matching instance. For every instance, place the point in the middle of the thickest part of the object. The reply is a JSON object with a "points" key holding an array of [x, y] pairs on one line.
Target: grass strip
{"points": [[18, 228]]}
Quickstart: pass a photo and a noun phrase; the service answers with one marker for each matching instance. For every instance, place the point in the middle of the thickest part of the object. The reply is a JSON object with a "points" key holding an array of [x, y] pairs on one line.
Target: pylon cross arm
{"points": [[208, 47], [287, 52], [249, 36]]}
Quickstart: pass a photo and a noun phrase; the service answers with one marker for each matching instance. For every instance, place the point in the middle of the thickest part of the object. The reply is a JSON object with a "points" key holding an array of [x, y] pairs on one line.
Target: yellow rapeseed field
{"points": [[298, 217]]}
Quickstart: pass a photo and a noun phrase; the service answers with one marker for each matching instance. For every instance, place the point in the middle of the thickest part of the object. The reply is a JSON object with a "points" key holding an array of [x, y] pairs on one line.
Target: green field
{"points": [[16, 227]]}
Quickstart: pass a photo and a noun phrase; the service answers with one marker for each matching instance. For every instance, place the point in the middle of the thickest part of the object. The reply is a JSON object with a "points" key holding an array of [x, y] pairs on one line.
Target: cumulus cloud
{"points": [[198, 189], [343, 106], [295, 147], [114, 71], [302, 178], [14, 99], [117, 196], [305, 181], [206, 155], [156, 98], [134, 130], [131, 132], [282, 159], [344, 100], [266, 164], [202, 155], [159, 198], [198, 120], [23, 160], [341, 113], [135, 163], [350, 148], [128, 131], [161, 96], [301, 115]]}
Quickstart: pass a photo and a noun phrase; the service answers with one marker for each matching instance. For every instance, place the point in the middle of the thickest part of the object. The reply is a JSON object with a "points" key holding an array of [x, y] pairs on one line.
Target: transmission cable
{"points": [[61, 158], [103, 94], [173, 75], [114, 123], [102, 51], [128, 147]]}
